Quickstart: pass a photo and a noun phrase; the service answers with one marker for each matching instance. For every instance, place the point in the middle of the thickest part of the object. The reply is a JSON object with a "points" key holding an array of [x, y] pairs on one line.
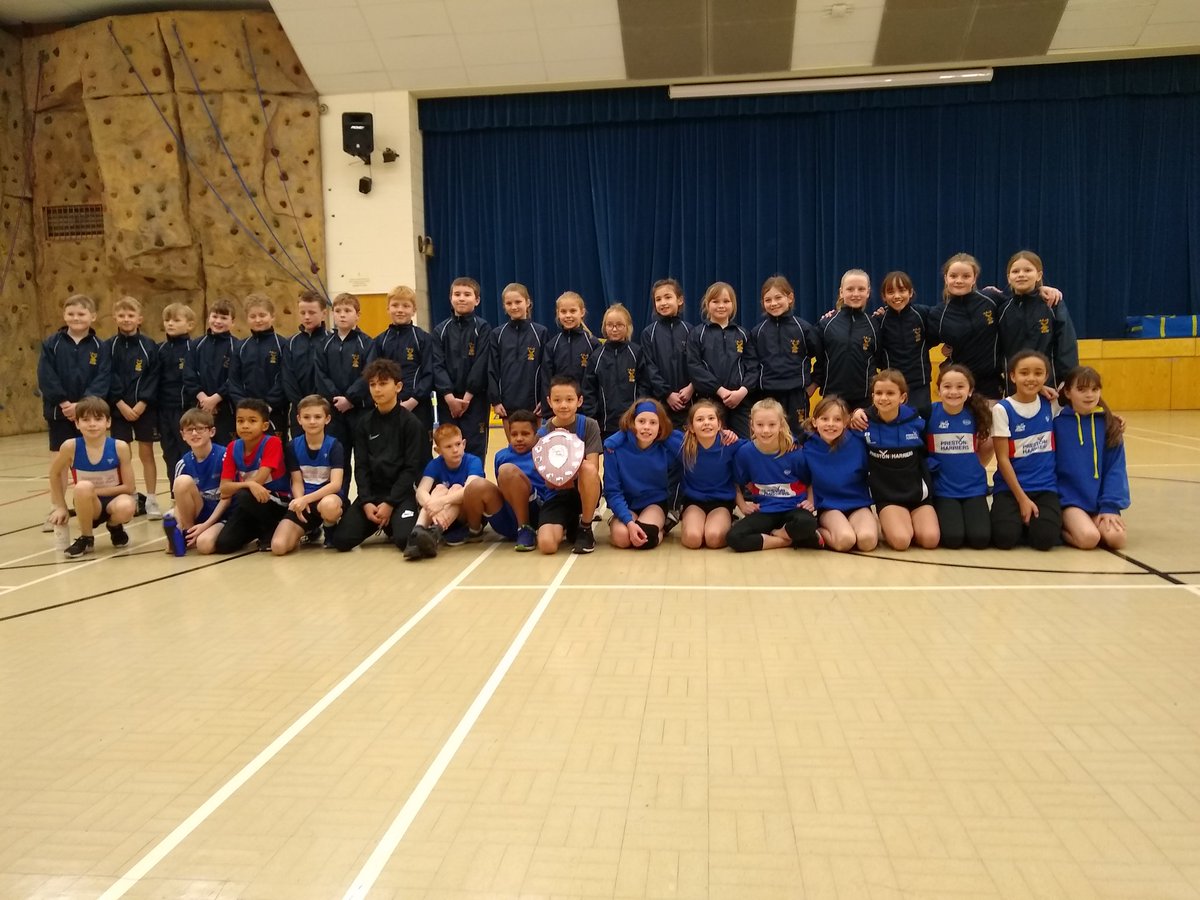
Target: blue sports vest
{"points": [[1031, 449]]}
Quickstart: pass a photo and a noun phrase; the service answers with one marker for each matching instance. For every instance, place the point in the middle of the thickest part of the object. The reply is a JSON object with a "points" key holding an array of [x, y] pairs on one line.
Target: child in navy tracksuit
{"points": [[206, 376], [74, 363], [722, 361], [178, 321], [640, 475], [835, 466], [133, 394], [905, 338], [617, 374], [1026, 321], [768, 469], [849, 343], [901, 485], [664, 341], [517, 358], [708, 491], [1025, 503], [967, 323], [300, 373], [340, 361], [258, 366], [460, 379], [416, 352], [958, 438], [1089, 457], [786, 345], [570, 348]]}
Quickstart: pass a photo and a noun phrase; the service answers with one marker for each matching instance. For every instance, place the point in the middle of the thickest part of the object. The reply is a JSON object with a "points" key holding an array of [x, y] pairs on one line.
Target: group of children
{"points": [[656, 410]]}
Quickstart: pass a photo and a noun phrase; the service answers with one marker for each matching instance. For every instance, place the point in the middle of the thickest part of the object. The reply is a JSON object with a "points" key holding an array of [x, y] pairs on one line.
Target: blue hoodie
{"points": [[635, 478], [838, 476], [711, 476], [1091, 475]]}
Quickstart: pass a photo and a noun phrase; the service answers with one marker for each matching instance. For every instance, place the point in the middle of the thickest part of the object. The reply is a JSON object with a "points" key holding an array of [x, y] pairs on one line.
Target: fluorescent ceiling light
{"points": [[840, 83]]}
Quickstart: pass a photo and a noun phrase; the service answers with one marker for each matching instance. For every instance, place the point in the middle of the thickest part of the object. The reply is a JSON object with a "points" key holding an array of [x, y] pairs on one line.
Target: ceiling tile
{"points": [[750, 47], [821, 28], [1098, 38], [823, 6], [932, 34], [1173, 34], [409, 20], [1111, 14], [1015, 29], [740, 11], [1168, 11], [352, 83], [499, 49], [488, 16], [661, 52], [662, 13], [507, 74], [567, 70], [824, 56], [315, 25], [580, 43], [429, 79], [428, 52], [575, 13], [352, 56]]}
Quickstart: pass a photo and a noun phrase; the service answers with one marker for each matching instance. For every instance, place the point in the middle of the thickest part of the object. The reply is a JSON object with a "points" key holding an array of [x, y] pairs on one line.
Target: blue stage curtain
{"points": [[1093, 165]]}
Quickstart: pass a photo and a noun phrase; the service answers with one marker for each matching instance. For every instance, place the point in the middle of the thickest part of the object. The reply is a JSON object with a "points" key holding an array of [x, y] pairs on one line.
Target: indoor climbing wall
{"points": [[20, 323], [176, 158]]}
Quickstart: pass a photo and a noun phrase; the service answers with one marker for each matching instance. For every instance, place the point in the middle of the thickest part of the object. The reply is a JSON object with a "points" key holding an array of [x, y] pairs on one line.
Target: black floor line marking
{"points": [[128, 587], [1165, 576], [951, 565], [19, 530], [73, 562]]}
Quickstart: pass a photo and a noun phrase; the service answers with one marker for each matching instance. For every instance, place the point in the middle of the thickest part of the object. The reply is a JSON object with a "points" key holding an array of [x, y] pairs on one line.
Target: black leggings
{"points": [[1043, 531], [249, 520], [800, 525], [963, 521]]}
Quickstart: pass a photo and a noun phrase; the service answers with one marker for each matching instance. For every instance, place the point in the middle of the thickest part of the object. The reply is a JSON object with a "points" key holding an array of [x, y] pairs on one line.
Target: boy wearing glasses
{"points": [[199, 508]]}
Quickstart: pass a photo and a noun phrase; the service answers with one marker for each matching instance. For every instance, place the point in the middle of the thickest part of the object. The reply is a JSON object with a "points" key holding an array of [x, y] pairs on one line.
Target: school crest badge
{"points": [[529, 351], [795, 346], [1044, 325], [137, 365], [354, 361], [987, 317], [738, 346], [632, 375], [409, 356], [92, 360]]}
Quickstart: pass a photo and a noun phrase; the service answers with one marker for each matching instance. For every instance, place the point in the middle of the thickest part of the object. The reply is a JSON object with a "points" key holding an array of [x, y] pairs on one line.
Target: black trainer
{"points": [[118, 534], [426, 541], [585, 541], [141, 505], [83, 544]]}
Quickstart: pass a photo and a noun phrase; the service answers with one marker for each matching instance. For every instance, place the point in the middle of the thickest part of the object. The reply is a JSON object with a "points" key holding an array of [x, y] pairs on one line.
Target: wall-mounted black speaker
{"points": [[358, 134]]}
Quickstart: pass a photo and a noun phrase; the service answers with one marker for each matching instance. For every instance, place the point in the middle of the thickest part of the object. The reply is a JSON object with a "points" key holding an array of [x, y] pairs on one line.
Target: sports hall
{"points": [[673, 724]]}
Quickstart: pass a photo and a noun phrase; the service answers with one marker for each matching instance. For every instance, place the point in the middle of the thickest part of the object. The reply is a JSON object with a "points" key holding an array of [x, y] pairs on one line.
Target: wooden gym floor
{"points": [[623, 725]]}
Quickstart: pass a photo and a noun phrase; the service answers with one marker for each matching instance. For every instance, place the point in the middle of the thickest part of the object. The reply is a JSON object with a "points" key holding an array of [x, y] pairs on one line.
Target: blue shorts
{"points": [[208, 508], [504, 522]]}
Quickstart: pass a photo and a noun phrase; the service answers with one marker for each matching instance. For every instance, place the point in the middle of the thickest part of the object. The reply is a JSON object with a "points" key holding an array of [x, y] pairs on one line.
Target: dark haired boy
{"points": [[102, 470], [206, 375], [513, 502], [254, 477], [568, 511], [390, 449]]}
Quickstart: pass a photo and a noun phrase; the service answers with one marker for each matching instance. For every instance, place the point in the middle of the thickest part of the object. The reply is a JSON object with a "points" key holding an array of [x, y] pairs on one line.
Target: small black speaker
{"points": [[364, 184], [358, 134]]}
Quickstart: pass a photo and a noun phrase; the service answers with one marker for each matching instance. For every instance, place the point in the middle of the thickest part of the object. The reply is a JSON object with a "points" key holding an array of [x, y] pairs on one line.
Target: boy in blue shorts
{"points": [[316, 463], [74, 364], [568, 511], [440, 494], [511, 505], [199, 508], [103, 475]]}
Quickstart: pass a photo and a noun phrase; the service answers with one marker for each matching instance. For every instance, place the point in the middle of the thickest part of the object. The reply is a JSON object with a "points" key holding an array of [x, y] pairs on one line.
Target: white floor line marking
{"points": [[1138, 437], [76, 566], [1174, 434], [157, 853], [839, 588], [366, 878], [9, 562]]}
